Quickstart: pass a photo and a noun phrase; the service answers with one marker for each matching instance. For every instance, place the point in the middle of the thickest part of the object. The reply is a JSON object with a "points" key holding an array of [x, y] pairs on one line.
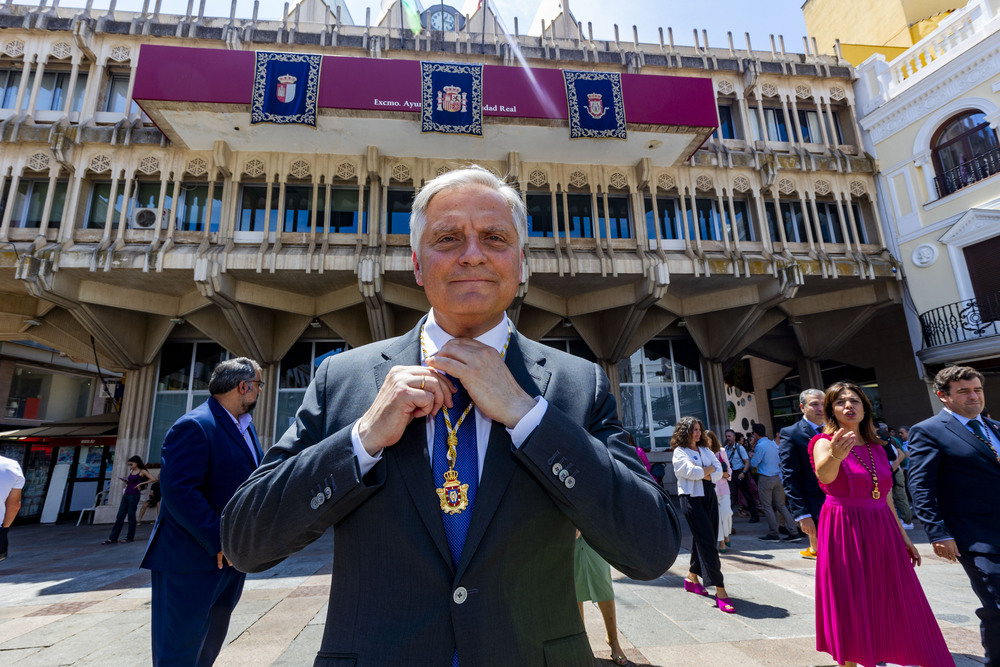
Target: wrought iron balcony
{"points": [[961, 321], [980, 167]]}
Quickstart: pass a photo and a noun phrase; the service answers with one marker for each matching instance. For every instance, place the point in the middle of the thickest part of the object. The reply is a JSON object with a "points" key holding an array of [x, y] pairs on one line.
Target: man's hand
{"points": [[484, 375], [808, 526], [947, 549], [408, 392], [221, 558]]}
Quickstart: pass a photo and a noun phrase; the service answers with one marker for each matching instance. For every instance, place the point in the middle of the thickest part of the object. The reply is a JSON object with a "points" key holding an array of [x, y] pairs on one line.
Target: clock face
{"points": [[442, 19]]}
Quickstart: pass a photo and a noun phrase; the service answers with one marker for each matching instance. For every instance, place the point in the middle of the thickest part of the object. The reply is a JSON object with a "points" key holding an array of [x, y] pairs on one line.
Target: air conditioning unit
{"points": [[146, 218]]}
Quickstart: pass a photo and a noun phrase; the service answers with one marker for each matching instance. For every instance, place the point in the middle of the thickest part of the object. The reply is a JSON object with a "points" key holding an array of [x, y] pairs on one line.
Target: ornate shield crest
{"points": [[595, 105], [286, 88], [451, 98], [454, 495]]}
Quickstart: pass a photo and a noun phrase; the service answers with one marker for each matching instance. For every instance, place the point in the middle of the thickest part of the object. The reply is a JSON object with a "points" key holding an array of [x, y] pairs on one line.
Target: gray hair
{"points": [[228, 374], [804, 396], [472, 175]]}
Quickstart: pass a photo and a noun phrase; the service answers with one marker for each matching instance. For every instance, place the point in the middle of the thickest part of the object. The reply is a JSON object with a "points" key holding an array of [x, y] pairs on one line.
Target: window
{"points": [[398, 204], [295, 373], [38, 393], [965, 151], [55, 87], [344, 211], [809, 122], [666, 208], [660, 383], [539, 214], [829, 222], [794, 222], [118, 94], [10, 80], [618, 220], [191, 206], [774, 119], [253, 217], [579, 215], [97, 211], [298, 208], [706, 216], [741, 223], [727, 128], [182, 383], [29, 203]]}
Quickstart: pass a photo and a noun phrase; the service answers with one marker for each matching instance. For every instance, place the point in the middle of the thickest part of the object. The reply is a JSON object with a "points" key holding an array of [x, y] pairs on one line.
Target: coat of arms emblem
{"points": [[286, 88], [595, 105], [451, 98], [454, 495]]}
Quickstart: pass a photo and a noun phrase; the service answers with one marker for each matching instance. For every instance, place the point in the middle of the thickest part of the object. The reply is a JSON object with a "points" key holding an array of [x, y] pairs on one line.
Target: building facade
{"points": [[147, 213]]}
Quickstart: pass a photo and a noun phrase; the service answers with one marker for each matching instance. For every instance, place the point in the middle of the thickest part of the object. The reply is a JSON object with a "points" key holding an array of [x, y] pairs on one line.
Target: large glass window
{"points": [[298, 208], [727, 128], [398, 204], [706, 216], [253, 216], [579, 215], [46, 395], [666, 208], [777, 130], [741, 223], [295, 373], [118, 94], [192, 204], [539, 206], [794, 222], [182, 384], [29, 203], [10, 80], [97, 211], [965, 151], [660, 383], [809, 121], [55, 87], [344, 211], [618, 220]]}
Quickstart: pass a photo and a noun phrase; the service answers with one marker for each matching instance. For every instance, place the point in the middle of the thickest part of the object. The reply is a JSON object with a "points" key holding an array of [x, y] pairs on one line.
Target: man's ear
{"points": [[416, 270]]}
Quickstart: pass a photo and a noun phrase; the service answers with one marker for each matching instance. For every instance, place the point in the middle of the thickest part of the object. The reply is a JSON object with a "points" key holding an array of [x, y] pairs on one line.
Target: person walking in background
{"points": [[207, 454], [740, 462], [722, 492], [772, 498], [153, 500], [138, 477], [954, 477], [870, 607], [895, 456], [11, 483], [592, 575], [802, 492], [697, 471]]}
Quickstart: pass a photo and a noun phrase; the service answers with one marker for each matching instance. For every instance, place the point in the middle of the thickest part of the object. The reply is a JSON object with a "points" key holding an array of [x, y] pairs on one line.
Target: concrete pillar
{"points": [[810, 373], [715, 396], [133, 434]]}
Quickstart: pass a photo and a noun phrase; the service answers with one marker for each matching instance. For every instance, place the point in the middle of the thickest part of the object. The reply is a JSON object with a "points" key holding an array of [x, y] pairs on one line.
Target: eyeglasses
{"points": [[260, 384]]}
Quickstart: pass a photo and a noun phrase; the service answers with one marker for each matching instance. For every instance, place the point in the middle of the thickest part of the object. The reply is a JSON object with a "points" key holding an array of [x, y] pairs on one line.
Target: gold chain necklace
{"points": [[453, 494], [985, 441], [871, 470]]}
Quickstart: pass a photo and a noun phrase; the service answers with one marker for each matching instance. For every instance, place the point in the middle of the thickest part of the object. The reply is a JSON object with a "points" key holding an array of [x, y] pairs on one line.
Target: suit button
{"points": [[328, 492], [460, 595], [314, 504], [563, 474], [556, 468], [320, 498], [570, 482]]}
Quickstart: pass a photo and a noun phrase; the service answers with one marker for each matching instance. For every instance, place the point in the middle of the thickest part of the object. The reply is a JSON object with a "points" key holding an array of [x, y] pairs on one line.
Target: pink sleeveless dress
{"points": [[870, 607]]}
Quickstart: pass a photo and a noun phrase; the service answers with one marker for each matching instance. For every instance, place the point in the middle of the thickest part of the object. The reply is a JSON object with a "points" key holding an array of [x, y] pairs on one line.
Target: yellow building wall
{"points": [[858, 53], [875, 22]]}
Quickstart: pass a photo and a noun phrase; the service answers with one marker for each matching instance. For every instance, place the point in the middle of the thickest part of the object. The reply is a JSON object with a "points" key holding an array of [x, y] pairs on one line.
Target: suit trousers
{"points": [[702, 515], [899, 498], [772, 499], [984, 573], [190, 615]]}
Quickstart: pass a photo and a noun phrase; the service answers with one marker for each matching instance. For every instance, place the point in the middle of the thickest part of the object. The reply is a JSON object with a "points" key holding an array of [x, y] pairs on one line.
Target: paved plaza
{"points": [[67, 600]]}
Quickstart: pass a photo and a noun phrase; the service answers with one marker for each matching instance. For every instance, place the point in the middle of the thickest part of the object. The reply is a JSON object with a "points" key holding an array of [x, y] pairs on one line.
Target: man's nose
{"points": [[472, 252]]}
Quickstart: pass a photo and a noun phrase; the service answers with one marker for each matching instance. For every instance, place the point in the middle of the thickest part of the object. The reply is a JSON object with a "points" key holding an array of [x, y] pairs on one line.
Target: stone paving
{"points": [[67, 600]]}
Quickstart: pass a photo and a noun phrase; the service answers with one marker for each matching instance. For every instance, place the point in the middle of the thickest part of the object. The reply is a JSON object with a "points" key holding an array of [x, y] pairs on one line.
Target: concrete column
{"points": [[715, 396], [810, 374], [133, 434]]}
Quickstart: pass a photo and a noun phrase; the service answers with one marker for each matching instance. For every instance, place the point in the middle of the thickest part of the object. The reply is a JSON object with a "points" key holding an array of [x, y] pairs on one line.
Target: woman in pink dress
{"points": [[870, 607]]}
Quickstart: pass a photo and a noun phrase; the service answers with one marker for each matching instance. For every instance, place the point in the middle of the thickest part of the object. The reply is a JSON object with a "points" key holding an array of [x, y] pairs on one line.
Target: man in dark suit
{"points": [[454, 535], [207, 454], [805, 498], [954, 477]]}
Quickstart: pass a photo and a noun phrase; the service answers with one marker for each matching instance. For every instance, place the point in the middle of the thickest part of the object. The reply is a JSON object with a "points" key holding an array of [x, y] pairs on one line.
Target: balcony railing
{"points": [[961, 321], [972, 171]]}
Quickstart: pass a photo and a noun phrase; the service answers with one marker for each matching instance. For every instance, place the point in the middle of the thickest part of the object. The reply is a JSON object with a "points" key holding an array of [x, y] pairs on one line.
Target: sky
{"points": [[760, 18]]}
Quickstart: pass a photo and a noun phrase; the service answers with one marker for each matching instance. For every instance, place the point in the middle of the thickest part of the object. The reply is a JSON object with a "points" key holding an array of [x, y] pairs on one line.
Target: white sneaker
{"points": [[907, 526]]}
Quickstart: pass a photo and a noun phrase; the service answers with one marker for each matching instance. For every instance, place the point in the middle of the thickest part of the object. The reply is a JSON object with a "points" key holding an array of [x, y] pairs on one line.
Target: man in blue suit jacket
{"points": [[805, 498], [954, 477], [207, 454]]}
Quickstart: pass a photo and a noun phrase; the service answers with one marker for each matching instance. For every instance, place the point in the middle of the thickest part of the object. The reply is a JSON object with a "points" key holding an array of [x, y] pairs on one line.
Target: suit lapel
{"points": [[410, 454], [498, 468], [967, 436], [223, 417]]}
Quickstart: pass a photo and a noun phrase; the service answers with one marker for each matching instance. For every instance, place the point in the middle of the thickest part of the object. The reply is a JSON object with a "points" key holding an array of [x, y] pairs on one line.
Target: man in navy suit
{"points": [[805, 498], [954, 477], [207, 454], [454, 534]]}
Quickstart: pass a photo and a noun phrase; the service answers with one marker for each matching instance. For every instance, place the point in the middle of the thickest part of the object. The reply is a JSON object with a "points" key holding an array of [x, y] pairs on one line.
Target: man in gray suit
{"points": [[454, 534]]}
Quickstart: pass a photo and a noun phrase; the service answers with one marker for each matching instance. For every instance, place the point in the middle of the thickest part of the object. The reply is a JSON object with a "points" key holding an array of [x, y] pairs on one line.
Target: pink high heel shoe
{"points": [[725, 604], [692, 587]]}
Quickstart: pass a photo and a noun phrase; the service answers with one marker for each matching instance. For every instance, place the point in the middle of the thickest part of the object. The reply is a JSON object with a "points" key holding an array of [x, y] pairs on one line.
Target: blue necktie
{"points": [[456, 526]]}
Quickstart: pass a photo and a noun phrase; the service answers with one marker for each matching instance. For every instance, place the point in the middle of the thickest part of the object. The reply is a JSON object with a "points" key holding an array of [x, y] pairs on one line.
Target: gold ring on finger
{"points": [[422, 380]]}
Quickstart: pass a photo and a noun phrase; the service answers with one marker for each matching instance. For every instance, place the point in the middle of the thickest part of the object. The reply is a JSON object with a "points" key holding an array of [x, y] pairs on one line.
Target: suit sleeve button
{"points": [[328, 492], [556, 468], [570, 482], [563, 475], [313, 503], [460, 595]]}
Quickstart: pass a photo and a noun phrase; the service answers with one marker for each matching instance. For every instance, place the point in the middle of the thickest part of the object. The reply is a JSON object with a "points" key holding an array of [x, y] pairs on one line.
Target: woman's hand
{"points": [[912, 552], [842, 443]]}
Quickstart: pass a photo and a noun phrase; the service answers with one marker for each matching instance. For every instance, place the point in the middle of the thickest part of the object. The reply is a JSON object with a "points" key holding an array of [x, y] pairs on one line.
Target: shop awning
{"points": [[95, 425]]}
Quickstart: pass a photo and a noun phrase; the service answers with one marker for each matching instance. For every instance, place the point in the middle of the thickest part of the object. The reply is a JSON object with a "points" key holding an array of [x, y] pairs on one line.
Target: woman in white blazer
{"points": [[697, 470]]}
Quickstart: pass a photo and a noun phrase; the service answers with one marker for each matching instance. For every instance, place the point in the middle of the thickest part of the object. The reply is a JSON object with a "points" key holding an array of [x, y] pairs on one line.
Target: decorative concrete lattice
{"points": [[537, 178], [254, 168], [858, 188], [786, 187], [38, 162], [346, 171], [704, 183], [578, 179], [197, 166], [442, 170], [120, 53], [802, 92], [837, 93], [618, 181], [665, 182], [149, 165], [61, 50], [726, 87], [301, 169], [14, 48], [769, 89], [100, 163], [741, 184], [400, 172], [822, 187]]}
